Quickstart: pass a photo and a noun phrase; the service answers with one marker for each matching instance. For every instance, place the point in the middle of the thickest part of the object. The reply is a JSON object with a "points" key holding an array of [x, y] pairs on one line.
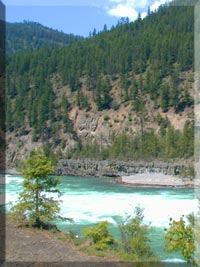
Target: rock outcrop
{"points": [[118, 168]]}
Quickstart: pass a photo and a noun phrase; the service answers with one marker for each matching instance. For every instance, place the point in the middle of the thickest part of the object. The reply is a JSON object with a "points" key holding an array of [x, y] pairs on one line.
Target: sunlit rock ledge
{"points": [[116, 169]]}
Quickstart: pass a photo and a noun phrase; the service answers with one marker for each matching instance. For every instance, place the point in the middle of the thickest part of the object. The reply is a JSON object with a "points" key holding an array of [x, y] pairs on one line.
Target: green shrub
{"points": [[100, 236], [135, 243], [180, 237], [53, 230], [106, 118]]}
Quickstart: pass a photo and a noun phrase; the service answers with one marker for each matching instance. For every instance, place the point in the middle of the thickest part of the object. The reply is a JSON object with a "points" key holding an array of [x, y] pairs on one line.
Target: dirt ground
{"points": [[28, 247], [23, 245]]}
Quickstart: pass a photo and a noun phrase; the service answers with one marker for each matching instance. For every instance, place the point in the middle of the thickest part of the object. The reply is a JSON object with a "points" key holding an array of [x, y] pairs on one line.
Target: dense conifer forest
{"points": [[32, 35], [146, 65]]}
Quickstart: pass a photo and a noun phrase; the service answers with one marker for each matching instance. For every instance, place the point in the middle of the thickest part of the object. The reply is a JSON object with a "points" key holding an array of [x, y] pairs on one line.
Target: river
{"points": [[90, 200]]}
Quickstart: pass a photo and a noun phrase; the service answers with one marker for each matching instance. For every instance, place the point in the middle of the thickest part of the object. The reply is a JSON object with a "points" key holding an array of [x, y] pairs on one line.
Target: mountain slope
{"points": [[122, 94], [32, 35]]}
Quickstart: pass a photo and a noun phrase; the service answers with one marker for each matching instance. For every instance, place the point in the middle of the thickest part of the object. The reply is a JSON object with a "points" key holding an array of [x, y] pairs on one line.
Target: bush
{"points": [[135, 244], [106, 118], [100, 236], [180, 237]]}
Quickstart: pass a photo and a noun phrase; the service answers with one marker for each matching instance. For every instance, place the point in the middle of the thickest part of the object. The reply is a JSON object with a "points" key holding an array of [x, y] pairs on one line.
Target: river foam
{"points": [[90, 205], [157, 210]]}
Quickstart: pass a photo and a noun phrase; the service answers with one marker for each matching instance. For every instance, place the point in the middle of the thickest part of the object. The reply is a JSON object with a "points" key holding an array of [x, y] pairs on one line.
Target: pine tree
{"points": [[165, 98], [34, 205]]}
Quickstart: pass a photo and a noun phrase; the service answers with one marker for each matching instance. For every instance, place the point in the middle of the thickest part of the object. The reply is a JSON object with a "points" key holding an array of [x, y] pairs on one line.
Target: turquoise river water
{"points": [[91, 200]]}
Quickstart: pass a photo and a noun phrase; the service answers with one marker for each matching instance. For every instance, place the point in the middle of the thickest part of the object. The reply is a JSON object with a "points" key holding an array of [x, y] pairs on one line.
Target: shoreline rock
{"points": [[86, 167], [133, 173]]}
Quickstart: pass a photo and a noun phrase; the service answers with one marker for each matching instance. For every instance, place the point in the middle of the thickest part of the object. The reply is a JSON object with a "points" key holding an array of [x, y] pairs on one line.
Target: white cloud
{"points": [[156, 5], [143, 15], [131, 8], [124, 11], [126, 8]]}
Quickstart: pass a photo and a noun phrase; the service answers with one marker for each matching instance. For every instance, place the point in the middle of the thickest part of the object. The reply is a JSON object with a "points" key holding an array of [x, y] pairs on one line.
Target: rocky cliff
{"points": [[119, 168]]}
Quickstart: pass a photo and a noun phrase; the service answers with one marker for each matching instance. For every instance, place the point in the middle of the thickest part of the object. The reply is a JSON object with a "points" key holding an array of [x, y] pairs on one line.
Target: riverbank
{"points": [[135, 173], [106, 168], [35, 245], [12, 171], [156, 180]]}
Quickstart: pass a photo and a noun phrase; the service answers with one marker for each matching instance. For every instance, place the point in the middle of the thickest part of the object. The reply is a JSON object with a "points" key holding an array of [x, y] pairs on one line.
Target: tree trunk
{"points": [[37, 215]]}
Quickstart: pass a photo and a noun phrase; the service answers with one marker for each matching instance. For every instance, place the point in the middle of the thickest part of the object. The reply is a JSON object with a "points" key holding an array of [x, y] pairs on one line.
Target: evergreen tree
{"points": [[34, 205], [165, 97]]}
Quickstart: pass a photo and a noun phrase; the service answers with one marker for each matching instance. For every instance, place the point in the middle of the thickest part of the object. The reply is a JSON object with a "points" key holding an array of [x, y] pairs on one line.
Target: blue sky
{"points": [[77, 16]]}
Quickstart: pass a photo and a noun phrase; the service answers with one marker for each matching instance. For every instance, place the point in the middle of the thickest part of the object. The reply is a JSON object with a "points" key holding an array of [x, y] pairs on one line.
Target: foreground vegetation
{"points": [[34, 207], [181, 237], [134, 244]]}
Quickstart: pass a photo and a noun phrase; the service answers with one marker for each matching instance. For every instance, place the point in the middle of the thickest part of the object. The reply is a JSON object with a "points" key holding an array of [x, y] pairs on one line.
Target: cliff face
{"points": [[117, 169], [92, 126]]}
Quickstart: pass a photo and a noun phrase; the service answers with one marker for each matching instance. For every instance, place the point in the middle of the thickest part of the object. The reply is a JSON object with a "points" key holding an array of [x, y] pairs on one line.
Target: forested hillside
{"points": [[32, 35], [126, 93]]}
